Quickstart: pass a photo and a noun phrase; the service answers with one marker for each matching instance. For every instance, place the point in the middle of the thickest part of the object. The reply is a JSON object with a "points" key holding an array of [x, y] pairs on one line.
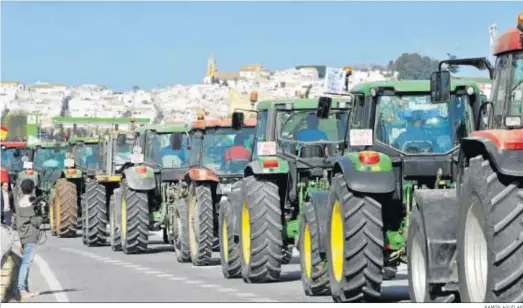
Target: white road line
{"points": [[143, 269], [207, 266], [210, 286], [164, 275], [178, 278], [152, 272], [193, 282], [50, 278], [263, 300], [226, 290], [246, 295]]}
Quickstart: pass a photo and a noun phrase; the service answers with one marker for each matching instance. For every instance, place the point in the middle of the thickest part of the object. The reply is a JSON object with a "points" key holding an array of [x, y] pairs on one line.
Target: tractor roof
{"points": [[13, 144], [411, 85], [215, 123], [163, 128], [84, 140], [48, 144], [300, 103]]}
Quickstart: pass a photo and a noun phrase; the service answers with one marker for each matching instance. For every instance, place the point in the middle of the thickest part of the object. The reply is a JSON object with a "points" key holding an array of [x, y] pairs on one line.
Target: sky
{"points": [[150, 44]]}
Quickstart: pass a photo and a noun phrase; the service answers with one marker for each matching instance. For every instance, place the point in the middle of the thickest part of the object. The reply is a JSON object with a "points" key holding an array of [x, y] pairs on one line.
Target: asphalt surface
{"points": [[67, 271]]}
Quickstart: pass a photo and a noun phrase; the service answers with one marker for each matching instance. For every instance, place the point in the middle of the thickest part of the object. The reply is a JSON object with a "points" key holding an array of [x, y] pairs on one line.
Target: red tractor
{"points": [[473, 251]]}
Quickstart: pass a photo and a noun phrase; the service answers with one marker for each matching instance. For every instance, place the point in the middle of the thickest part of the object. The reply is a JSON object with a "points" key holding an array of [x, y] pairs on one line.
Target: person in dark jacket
{"points": [[28, 225], [6, 200]]}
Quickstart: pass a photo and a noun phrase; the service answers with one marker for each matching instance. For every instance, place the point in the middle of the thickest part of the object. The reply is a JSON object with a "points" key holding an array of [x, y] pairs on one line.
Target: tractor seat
{"points": [[312, 151]]}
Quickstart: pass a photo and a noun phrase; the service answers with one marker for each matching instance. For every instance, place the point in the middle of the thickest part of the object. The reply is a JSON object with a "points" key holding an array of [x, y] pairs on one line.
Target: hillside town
{"points": [[218, 94]]}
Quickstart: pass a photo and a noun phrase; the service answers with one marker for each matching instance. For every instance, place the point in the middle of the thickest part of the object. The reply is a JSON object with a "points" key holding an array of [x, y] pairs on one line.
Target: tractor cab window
{"points": [[49, 158], [196, 149], [515, 107], [412, 124], [122, 152], [12, 159], [86, 155], [303, 129], [159, 150], [227, 151]]}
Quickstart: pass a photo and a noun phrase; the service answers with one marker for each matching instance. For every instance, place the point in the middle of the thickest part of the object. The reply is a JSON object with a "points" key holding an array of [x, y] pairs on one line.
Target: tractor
{"points": [[472, 251], [284, 190], [218, 155], [143, 201], [399, 143], [12, 154], [56, 179]]}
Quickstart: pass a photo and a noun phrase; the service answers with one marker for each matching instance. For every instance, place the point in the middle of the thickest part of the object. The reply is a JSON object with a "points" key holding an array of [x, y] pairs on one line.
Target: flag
{"points": [[3, 132]]}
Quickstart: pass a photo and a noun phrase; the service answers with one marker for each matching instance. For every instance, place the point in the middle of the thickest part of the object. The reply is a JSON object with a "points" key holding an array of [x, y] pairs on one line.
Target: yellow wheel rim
{"points": [[246, 233], [225, 238], [336, 238], [307, 251], [57, 210], [51, 214], [123, 224]]}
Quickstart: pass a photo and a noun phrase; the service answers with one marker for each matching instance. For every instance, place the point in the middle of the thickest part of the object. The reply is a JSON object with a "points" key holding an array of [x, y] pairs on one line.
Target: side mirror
{"points": [[484, 115], [237, 120], [120, 139], [324, 107], [440, 87], [176, 142]]}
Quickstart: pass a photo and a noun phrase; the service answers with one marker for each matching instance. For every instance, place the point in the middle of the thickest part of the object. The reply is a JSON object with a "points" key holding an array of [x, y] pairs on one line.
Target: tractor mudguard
{"points": [[140, 181], [201, 174], [372, 182], [439, 211], [320, 202], [267, 165], [22, 176], [494, 143], [71, 174]]}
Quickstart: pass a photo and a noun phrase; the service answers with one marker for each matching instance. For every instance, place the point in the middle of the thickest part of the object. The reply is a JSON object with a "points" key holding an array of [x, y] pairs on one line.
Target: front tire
{"points": [[201, 224], [181, 231], [229, 247], [134, 228], [116, 243], [356, 244], [65, 208], [261, 248], [95, 220], [489, 249]]}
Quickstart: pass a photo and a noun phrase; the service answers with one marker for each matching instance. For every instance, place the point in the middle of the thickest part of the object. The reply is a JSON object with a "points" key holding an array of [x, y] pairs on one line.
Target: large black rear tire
{"points": [[95, 220], [489, 247], [314, 273], [261, 237], [201, 224], [65, 208], [134, 227], [356, 244]]}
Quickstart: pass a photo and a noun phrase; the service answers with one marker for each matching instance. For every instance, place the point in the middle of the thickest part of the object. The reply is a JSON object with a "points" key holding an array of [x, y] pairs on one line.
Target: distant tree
{"points": [[135, 88], [414, 66]]}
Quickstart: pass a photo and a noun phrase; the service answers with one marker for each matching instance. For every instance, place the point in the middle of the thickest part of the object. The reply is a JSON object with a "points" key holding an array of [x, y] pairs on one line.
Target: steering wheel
{"points": [[417, 146]]}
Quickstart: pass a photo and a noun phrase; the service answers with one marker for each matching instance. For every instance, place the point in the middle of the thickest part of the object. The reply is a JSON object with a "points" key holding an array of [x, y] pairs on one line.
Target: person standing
{"points": [[7, 202], [28, 225]]}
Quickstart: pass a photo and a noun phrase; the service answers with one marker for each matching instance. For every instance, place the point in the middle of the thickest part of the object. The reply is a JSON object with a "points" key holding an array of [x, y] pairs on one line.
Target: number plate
{"points": [[266, 148], [69, 163], [137, 158], [360, 137], [28, 165]]}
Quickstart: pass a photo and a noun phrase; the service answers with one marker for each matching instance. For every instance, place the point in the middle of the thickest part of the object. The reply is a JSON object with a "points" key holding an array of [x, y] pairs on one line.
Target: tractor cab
{"points": [[12, 159], [86, 152]]}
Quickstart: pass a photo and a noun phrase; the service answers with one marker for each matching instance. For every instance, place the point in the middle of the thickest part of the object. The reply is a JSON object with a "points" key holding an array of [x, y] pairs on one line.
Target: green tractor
{"points": [[103, 164], [56, 179], [218, 156], [285, 186], [399, 143], [149, 185]]}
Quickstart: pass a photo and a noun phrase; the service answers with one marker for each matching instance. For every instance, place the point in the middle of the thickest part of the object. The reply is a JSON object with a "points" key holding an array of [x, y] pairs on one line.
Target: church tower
{"points": [[211, 68]]}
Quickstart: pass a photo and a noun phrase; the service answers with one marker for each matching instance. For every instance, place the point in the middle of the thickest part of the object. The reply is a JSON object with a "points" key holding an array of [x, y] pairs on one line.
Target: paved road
{"points": [[66, 270]]}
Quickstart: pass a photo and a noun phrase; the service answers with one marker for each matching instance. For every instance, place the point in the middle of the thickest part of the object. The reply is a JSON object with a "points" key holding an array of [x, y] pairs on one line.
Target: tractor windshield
{"points": [[412, 124], [301, 129], [86, 155], [12, 159], [516, 85], [227, 151], [159, 149], [49, 158]]}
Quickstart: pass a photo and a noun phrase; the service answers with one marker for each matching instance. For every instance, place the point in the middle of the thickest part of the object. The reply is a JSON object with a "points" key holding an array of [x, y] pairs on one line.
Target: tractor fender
{"points": [[22, 176], [371, 182], [72, 173], [506, 162], [439, 212], [140, 181], [257, 166], [320, 203]]}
